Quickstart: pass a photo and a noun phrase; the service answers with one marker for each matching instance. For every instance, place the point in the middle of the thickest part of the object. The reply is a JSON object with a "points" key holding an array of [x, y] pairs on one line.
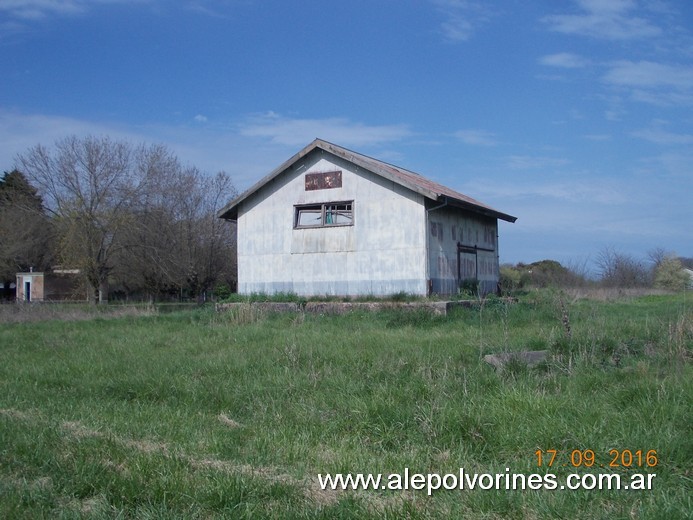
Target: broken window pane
{"points": [[328, 214], [338, 214], [309, 217]]}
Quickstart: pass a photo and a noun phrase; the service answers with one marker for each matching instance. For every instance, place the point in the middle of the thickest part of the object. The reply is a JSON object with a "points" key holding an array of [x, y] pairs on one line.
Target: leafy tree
{"points": [[670, 274]]}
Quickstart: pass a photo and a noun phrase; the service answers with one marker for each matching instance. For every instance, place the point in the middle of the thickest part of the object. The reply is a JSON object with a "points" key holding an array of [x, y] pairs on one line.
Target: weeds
{"points": [[204, 414], [23, 312], [241, 314], [289, 297]]}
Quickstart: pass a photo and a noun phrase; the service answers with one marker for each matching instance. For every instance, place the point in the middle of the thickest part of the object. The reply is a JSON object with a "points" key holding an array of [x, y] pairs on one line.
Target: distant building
{"points": [[54, 285], [330, 221]]}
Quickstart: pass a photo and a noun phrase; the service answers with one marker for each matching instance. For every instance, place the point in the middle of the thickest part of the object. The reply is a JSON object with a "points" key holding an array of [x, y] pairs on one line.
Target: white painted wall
{"points": [[383, 253]]}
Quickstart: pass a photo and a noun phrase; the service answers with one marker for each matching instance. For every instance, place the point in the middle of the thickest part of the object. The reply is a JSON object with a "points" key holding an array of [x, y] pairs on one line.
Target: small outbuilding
{"points": [[52, 286], [330, 221]]}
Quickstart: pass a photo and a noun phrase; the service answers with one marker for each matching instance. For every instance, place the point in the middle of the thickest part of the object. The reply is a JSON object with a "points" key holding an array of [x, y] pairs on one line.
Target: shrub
{"points": [[510, 279], [222, 292], [670, 275], [469, 287]]}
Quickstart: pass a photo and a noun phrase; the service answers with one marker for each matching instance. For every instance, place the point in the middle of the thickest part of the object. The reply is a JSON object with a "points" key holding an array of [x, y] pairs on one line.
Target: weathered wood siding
{"points": [[475, 237]]}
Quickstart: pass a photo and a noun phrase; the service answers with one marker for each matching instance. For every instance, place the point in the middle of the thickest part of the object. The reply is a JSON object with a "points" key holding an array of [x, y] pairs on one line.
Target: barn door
{"points": [[467, 264]]}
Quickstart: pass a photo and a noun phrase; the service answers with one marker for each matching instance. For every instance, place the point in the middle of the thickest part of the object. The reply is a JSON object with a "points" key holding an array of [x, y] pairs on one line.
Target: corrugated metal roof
{"points": [[411, 180]]}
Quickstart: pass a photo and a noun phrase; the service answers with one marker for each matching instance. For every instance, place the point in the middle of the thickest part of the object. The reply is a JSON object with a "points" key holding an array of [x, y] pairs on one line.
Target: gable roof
{"points": [[408, 179]]}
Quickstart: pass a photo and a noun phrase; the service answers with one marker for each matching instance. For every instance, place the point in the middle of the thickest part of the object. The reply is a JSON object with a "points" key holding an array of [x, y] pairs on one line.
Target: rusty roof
{"points": [[411, 180]]}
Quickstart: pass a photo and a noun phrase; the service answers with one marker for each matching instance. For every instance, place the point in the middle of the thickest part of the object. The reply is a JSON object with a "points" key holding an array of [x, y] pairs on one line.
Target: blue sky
{"points": [[576, 116]]}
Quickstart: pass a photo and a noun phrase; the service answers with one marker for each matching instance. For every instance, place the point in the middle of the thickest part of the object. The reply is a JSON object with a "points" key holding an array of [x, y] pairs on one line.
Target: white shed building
{"points": [[330, 221]]}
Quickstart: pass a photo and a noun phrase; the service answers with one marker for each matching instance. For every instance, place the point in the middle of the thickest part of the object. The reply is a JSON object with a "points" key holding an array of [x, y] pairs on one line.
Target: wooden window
{"points": [[324, 214]]}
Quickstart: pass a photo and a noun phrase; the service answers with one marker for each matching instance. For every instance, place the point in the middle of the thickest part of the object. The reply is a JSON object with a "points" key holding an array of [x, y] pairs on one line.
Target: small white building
{"points": [[330, 221]]}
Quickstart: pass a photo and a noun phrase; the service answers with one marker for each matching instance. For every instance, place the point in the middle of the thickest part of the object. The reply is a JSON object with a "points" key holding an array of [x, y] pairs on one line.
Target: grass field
{"points": [[194, 414]]}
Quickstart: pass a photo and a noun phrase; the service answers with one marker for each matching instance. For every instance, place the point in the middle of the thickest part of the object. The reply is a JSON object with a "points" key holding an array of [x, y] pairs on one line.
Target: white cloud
{"points": [[598, 137], [19, 132], [676, 164], [529, 162], [209, 150], [543, 188], [564, 60], [476, 137], [200, 118], [299, 132], [19, 14], [614, 114], [246, 150], [604, 19], [649, 74], [660, 136], [36, 9], [213, 8], [651, 82], [457, 28], [462, 18]]}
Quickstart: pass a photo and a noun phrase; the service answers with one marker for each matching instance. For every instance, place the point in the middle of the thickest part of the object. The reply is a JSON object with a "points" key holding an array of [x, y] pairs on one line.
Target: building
{"points": [[55, 285], [330, 221]]}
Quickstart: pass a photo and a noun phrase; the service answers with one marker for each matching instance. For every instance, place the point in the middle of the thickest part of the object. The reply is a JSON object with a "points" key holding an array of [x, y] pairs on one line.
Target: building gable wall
{"points": [[383, 252]]}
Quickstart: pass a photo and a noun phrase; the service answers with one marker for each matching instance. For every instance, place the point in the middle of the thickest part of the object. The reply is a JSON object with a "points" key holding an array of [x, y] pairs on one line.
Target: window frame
{"points": [[323, 207]]}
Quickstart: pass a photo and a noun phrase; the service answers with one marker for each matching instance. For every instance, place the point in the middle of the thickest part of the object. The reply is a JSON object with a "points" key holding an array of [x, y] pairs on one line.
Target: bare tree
{"points": [[195, 248], [133, 216], [89, 185], [656, 256], [216, 242], [621, 270], [143, 264]]}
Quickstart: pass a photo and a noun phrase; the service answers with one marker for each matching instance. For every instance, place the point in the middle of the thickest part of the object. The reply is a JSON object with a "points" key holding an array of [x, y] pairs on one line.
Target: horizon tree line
{"points": [[614, 269]]}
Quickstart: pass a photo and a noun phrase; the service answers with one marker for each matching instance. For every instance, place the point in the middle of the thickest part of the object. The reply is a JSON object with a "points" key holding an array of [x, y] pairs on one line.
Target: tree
{"points": [[25, 230], [670, 274], [181, 246], [686, 262], [621, 270], [87, 185], [132, 216], [544, 273]]}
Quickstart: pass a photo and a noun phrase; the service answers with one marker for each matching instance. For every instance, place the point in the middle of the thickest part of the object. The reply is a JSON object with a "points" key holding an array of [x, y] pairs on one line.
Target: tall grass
{"points": [[200, 414], [23, 312]]}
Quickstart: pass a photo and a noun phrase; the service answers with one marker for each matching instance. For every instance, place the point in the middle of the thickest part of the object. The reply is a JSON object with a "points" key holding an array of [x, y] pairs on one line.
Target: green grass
{"points": [[194, 414], [283, 297]]}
